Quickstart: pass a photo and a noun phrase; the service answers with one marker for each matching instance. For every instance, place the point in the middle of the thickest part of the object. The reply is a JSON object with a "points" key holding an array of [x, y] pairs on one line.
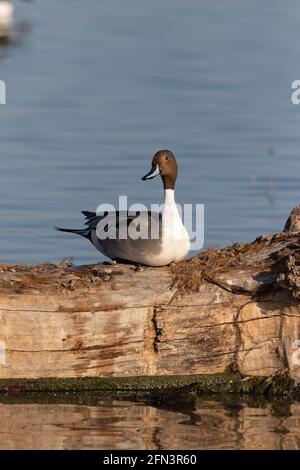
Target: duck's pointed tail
{"points": [[85, 232]]}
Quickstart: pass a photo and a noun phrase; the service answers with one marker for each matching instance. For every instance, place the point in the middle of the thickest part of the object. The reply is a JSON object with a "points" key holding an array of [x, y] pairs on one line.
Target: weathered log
{"points": [[230, 310]]}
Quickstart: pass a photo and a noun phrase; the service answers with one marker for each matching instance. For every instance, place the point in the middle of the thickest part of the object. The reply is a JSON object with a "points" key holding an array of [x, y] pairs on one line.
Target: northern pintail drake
{"points": [[172, 242], [6, 15]]}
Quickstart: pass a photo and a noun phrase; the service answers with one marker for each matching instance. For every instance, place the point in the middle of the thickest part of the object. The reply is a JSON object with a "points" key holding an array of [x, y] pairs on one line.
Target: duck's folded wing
{"points": [[109, 218], [118, 218]]}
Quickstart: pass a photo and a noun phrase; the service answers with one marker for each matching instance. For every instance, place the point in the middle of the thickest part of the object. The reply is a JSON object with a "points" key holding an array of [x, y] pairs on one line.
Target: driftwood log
{"points": [[230, 311]]}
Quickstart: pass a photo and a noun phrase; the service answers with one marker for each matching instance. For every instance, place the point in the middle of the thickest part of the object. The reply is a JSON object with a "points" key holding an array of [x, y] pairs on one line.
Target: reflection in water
{"points": [[111, 424], [6, 37], [6, 16], [13, 33]]}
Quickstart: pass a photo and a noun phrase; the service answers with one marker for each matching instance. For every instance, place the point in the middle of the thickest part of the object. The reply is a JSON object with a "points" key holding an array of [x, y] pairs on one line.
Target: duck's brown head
{"points": [[163, 164]]}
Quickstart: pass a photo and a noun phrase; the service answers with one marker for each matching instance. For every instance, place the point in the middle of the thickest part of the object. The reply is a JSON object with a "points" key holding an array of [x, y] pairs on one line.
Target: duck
{"points": [[167, 239], [6, 15]]}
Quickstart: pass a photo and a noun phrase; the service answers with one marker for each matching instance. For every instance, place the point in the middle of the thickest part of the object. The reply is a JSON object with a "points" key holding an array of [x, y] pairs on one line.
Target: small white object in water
{"points": [[6, 15]]}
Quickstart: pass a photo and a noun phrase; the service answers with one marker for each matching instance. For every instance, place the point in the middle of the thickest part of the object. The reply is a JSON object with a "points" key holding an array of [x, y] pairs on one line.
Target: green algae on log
{"points": [[158, 387], [234, 309]]}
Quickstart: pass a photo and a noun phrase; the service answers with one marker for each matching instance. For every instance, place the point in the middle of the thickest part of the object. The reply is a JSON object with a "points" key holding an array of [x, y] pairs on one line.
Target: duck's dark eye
{"points": [[167, 158]]}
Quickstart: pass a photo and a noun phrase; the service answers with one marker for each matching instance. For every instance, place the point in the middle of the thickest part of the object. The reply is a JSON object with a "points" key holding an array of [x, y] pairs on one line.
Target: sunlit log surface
{"points": [[232, 309]]}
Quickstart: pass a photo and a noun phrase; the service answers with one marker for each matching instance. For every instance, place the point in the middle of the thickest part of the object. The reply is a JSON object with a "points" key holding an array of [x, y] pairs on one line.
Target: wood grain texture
{"points": [[236, 308]]}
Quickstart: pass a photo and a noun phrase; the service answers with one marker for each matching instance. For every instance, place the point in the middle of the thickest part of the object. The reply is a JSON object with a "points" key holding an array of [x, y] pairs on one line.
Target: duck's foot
{"points": [[109, 263], [138, 267], [65, 263], [170, 265]]}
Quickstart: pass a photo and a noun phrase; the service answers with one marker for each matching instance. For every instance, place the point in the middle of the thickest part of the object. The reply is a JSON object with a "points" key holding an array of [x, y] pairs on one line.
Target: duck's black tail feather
{"points": [[85, 232]]}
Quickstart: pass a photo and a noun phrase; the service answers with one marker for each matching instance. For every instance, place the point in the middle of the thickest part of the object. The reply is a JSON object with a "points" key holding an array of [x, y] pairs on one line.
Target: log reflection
{"points": [[112, 424]]}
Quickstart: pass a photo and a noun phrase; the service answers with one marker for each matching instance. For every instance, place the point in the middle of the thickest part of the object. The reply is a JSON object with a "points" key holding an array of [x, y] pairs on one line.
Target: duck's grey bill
{"points": [[152, 173]]}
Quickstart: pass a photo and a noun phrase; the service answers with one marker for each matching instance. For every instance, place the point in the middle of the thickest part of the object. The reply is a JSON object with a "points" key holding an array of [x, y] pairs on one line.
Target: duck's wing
{"points": [[121, 218], [142, 242], [107, 219], [103, 221], [134, 237]]}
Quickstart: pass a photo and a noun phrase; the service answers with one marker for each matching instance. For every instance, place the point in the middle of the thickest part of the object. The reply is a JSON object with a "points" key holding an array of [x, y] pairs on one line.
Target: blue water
{"points": [[95, 88]]}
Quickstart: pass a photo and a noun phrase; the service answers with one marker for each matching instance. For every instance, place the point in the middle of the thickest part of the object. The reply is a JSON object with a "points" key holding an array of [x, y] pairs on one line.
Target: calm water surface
{"points": [[93, 92], [110, 424]]}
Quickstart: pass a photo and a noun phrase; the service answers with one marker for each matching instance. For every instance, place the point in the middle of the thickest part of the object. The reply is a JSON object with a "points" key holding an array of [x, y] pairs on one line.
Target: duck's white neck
{"points": [[172, 226], [169, 196], [170, 212]]}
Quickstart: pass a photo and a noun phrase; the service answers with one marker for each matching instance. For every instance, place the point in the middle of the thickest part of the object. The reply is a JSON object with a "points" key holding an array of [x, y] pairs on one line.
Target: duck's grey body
{"points": [[126, 249], [153, 239]]}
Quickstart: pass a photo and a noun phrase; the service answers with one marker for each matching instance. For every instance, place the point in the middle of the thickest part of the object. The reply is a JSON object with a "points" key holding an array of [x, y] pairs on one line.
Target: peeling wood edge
{"points": [[159, 387], [157, 329]]}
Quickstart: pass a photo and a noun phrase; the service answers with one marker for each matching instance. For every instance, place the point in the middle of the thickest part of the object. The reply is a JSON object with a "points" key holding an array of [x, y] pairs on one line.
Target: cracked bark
{"points": [[157, 329], [232, 309]]}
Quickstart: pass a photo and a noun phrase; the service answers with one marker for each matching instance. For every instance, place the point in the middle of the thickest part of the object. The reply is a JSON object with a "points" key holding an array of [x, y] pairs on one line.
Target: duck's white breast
{"points": [[176, 240]]}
